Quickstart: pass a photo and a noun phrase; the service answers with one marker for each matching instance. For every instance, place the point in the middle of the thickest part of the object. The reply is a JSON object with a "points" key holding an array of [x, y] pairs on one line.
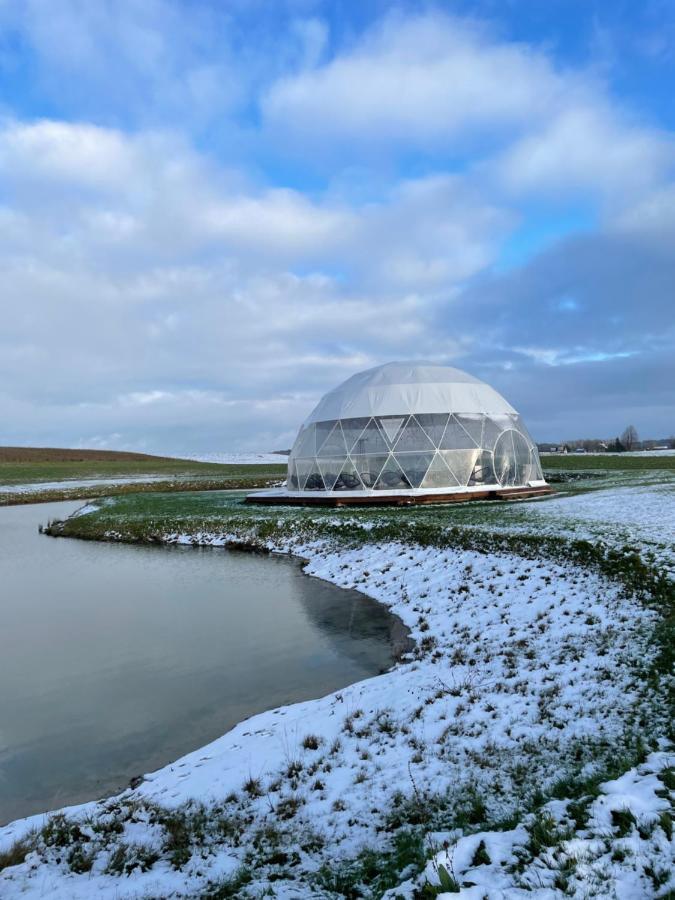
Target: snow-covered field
{"points": [[37, 487], [640, 517], [648, 513], [241, 459], [577, 858], [523, 673]]}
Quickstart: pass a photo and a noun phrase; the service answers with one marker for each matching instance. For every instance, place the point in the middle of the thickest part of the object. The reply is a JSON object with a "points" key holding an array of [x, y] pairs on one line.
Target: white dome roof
{"points": [[409, 387]]}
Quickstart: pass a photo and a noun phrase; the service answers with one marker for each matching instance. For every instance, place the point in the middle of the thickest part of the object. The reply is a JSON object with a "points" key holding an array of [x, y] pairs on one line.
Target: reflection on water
{"points": [[115, 659]]}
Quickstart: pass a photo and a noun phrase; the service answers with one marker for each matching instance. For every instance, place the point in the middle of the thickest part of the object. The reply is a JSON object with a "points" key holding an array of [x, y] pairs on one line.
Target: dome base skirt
{"points": [[281, 497]]}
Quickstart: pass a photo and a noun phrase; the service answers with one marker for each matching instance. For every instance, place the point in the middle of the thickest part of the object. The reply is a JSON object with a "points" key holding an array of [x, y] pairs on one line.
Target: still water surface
{"points": [[115, 660]]}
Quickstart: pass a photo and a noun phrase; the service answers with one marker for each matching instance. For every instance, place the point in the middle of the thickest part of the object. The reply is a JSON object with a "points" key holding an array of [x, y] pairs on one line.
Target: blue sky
{"points": [[212, 212]]}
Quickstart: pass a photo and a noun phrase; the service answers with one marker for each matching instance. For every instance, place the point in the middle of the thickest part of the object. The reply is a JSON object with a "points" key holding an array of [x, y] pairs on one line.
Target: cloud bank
{"points": [[221, 217]]}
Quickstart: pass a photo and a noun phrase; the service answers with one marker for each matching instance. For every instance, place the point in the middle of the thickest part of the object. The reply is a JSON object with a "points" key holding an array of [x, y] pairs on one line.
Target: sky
{"points": [[213, 211]]}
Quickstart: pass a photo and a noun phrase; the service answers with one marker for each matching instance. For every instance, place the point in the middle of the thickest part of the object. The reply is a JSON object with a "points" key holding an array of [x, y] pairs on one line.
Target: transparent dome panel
{"points": [[391, 427], [348, 479], [391, 477], [433, 425], [439, 475], [369, 468], [330, 470], [414, 466], [413, 438], [334, 444], [483, 470], [352, 430], [370, 441], [461, 463]]}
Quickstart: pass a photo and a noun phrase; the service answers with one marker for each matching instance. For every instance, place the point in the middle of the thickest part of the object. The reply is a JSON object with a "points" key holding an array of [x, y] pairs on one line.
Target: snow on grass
{"points": [[619, 844], [649, 512], [523, 673], [640, 516], [38, 486]]}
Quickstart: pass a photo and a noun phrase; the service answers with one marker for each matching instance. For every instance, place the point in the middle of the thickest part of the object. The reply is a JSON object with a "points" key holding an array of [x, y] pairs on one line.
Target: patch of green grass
{"points": [[605, 462], [374, 871], [623, 821], [126, 858], [481, 857], [229, 887]]}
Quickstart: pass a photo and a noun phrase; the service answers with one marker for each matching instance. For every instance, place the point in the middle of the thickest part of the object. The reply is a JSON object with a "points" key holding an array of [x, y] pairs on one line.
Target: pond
{"points": [[117, 659]]}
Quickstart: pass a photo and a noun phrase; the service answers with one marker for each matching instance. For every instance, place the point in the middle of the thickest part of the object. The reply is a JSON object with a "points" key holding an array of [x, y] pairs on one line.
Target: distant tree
{"points": [[616, 446], [630, 438], [671, 442]]}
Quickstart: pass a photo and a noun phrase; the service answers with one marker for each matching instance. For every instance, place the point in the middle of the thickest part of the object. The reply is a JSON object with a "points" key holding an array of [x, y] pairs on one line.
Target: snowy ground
{"points": [[640, 517], [241, 459], [523, 673], [622, 839], [644, 513], [40, 486]]}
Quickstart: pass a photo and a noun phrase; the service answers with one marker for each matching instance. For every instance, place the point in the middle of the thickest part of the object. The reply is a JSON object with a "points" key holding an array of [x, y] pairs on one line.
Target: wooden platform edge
{"points": [[506, 494]]}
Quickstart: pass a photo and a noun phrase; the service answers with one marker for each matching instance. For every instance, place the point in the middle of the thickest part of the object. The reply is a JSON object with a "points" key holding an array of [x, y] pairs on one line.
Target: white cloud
{"points": [[415, 80], [148, 197], [588, 147], [124, 58], [435, 83]]}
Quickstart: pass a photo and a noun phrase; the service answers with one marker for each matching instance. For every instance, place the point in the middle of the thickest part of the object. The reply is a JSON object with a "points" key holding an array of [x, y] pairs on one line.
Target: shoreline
{"points": [[93, 492]]}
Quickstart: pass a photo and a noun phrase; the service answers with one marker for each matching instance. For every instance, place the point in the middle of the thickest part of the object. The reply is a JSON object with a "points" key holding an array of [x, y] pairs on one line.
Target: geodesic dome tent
{"points": [[411, 429]]}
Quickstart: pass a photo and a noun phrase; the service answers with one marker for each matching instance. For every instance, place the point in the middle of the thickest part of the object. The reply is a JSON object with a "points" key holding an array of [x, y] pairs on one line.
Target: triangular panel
{"points": [[456, 437], [348, 479], [323, 431], [414, 466], [309, 477], [391, 425], [330, 469], [433, 425], [369, 468], [473, 425], [352, 430], [334, 445], [391, 477], [461, 463], [438, 475], [371, 440], [305, 444], [413, 438], [292, 476]]}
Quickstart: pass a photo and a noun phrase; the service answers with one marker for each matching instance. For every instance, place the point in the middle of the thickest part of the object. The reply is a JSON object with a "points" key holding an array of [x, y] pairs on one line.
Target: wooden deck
{"points": [[494, 493]]}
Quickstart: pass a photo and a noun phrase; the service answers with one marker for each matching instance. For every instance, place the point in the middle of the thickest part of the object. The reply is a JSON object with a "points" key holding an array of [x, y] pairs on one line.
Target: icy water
{"points": [[115, 660]]}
